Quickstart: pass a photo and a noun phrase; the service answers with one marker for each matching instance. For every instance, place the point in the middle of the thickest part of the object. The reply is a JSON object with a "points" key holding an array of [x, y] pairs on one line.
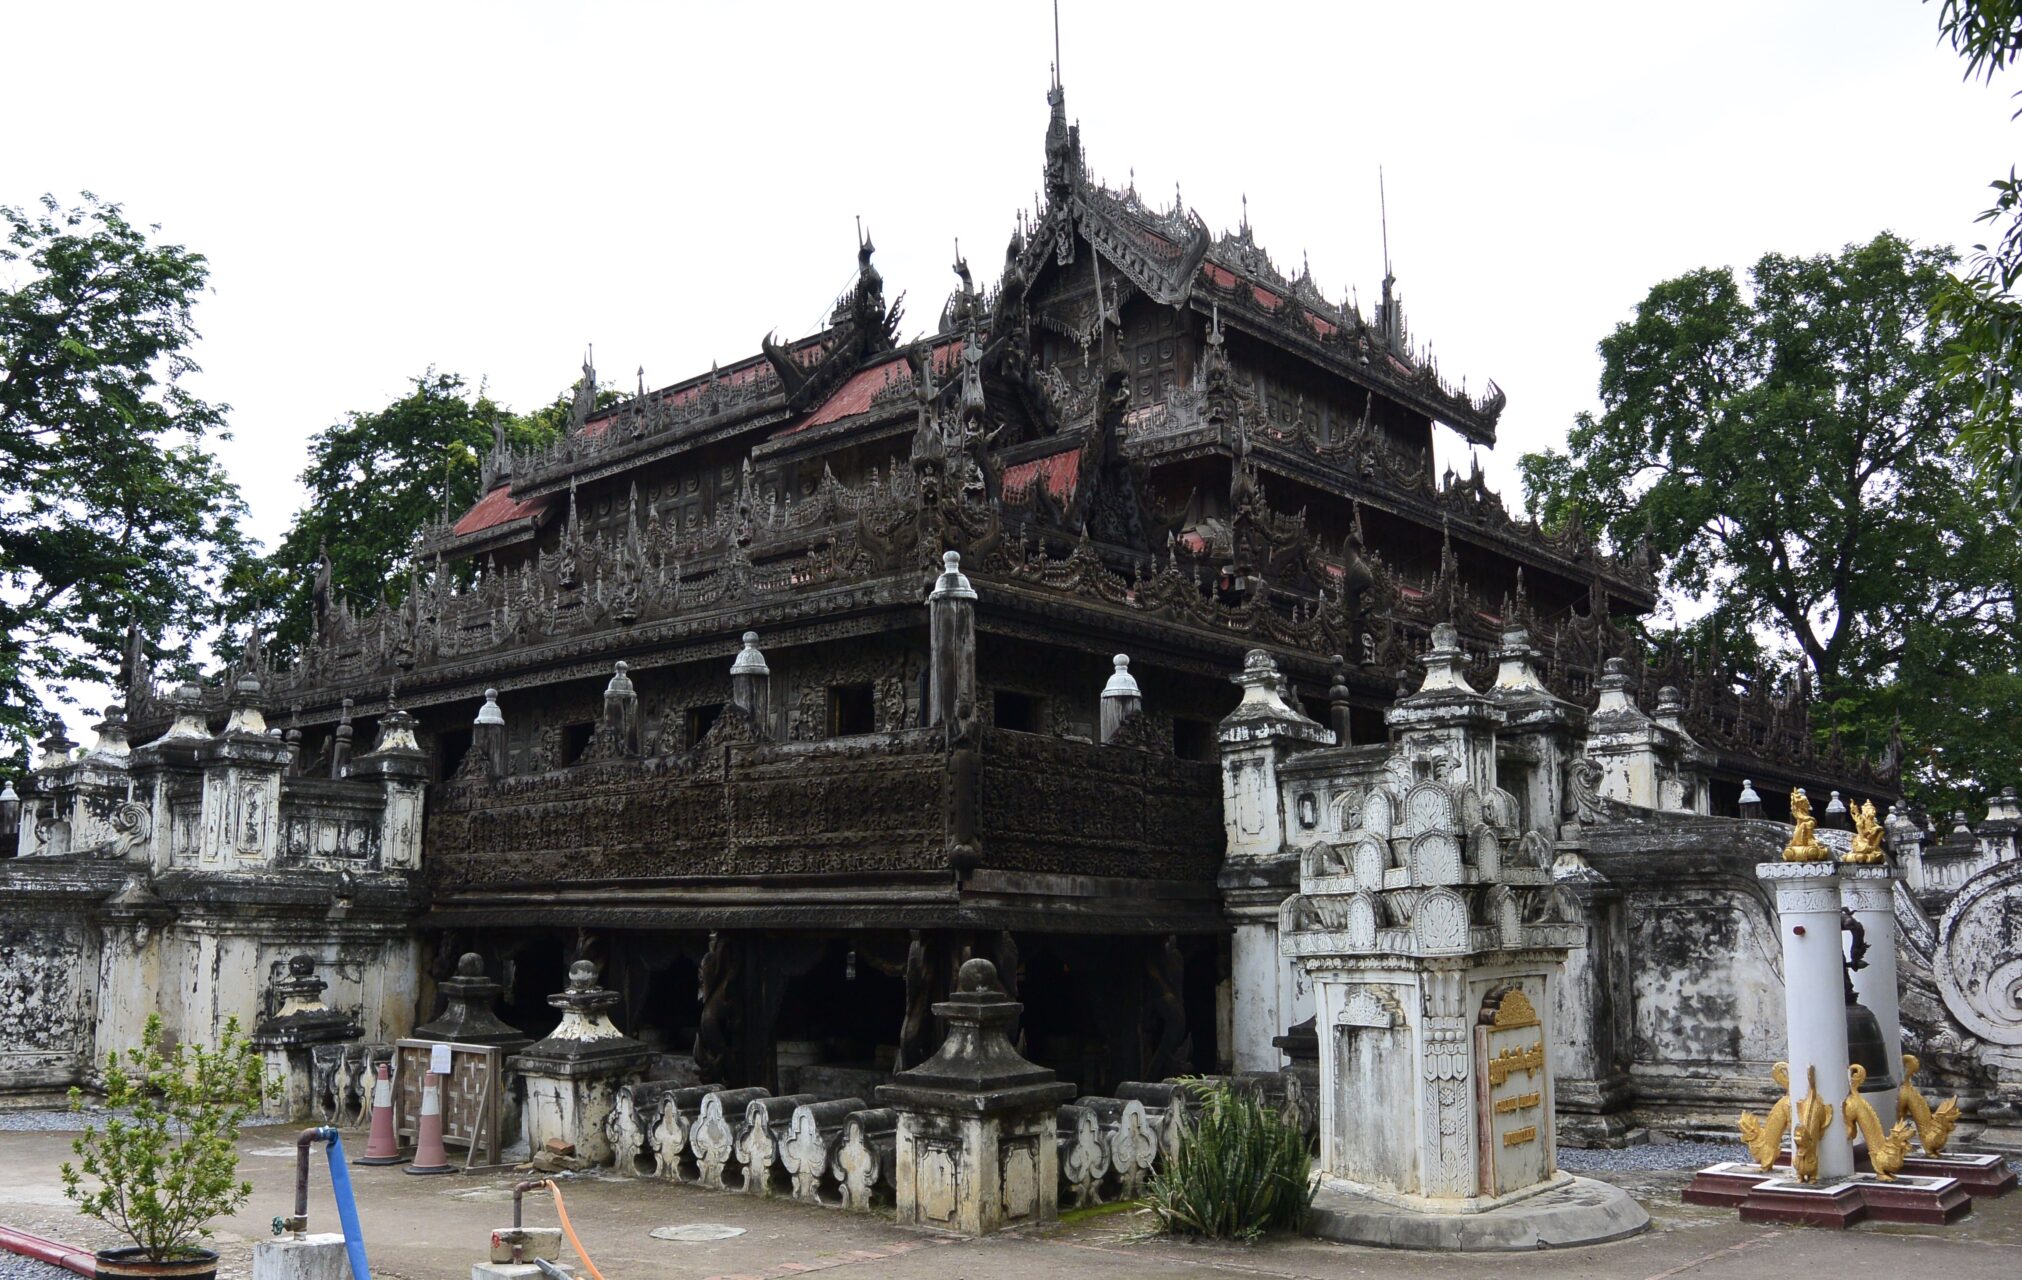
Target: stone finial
{"points": [[1516, 670], [111, 734], [951, 584], [749, 661], [1748, 797], [489, 713], [1442, 663], [56, 749], [1671, 707], [396, 733], [1121, 683], [621, 684], [246, 715], [1614, 699], [2005, 807], [1264, 711], [1835, 813], [468, 1016], [188, 701], [1120, 698]]}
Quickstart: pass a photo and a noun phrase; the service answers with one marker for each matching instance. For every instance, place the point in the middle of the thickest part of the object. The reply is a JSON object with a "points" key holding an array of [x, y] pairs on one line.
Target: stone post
{"points": [[1120, 698], [951, 623], [1340, 712], [400, 767], [1869, 892], [340, 743], [242, 769], [1814, 997], [469, 1017], [300, 1020], [572, 1075], [1269, 994], [1687, 786], [165, 767], [488, 735], [751, 685], [1623, 740], [977, 1149]]}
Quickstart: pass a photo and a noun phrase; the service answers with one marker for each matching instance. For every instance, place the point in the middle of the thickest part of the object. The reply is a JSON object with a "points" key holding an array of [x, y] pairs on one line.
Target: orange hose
{"points": [[570, 1232]]}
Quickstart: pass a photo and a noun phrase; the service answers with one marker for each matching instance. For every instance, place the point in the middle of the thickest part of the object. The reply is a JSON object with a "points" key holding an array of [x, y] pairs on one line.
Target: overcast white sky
{"points": [[487, 187]]}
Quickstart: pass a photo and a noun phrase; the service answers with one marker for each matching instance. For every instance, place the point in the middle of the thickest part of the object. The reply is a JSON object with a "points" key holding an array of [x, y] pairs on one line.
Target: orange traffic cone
{"points": [[382, 1147], [429, 1157]]}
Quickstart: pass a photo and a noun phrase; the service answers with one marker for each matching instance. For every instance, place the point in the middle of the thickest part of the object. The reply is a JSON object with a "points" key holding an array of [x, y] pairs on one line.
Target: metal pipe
{"points": [[300, 1222], [533, 1185]]}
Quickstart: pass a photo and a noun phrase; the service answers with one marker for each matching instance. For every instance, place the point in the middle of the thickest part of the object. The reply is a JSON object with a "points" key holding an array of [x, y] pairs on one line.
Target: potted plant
{"points": [[167, 1160]]}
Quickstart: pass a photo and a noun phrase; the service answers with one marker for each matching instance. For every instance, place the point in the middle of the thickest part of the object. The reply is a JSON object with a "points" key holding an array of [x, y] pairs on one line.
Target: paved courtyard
{"points": [[435, 1228]]}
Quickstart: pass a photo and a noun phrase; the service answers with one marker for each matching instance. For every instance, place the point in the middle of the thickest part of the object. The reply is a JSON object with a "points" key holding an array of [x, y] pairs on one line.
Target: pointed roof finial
{"points": [[1056, 44]]}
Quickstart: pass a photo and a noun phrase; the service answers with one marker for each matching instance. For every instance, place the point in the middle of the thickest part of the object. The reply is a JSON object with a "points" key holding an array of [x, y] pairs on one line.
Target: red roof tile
{"points": [[497, 508], [1265, 298], [855, 395], [1061, 471], [1220, 277]]}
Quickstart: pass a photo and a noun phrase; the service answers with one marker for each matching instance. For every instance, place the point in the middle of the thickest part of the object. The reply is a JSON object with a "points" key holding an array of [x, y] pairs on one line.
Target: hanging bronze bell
{"points": [[1865, 1046]]}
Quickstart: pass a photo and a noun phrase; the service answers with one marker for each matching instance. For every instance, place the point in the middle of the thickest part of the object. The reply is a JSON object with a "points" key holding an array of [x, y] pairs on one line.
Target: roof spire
{"points": [[1056, 44]]}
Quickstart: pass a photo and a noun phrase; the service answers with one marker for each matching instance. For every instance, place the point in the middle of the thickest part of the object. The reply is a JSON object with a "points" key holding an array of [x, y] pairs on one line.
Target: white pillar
{"points": [[1869, 891], [1814, 997]]}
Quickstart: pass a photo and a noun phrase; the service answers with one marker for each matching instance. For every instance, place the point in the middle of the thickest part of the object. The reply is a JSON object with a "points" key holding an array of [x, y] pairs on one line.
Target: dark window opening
{"points": [[1193, 739], [1366, 726], [1318, 710], [701, 720], [852, 708], [576, 740], [450, 749], [1018, 711]]}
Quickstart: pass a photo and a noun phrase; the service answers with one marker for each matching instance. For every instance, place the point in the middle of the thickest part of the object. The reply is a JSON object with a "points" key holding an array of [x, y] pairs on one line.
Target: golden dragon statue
{"points": [[1886, 1147], [1813, 1114], [1934, 1128], [1764, 1139]]}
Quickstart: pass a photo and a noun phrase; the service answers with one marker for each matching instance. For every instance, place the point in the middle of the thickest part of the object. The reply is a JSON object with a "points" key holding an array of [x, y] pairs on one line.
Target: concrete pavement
{"points": [[435, 1228]]}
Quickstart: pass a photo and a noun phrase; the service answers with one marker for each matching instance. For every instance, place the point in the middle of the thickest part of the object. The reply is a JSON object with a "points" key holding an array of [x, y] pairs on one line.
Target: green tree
{"points": [[1786, 447], [375, 481], [1981, 306], [112, 509]]}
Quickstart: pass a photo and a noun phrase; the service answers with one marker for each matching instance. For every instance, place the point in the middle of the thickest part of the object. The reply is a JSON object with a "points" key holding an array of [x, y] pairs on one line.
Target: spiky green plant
{"points": [[167, 1160], [1243, 1169]]}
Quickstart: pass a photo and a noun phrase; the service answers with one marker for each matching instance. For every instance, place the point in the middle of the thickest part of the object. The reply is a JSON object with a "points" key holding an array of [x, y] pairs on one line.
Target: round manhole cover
{"points": [[696, 1232]]}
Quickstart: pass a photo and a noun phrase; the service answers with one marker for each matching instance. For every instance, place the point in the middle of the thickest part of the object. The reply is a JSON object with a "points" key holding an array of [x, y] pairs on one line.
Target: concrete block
{"points": [[317, 1257], [514, 1270]]}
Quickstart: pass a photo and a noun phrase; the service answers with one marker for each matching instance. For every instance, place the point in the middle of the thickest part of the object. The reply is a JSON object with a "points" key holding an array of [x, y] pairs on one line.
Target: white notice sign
{"points": [[438, 1059]]}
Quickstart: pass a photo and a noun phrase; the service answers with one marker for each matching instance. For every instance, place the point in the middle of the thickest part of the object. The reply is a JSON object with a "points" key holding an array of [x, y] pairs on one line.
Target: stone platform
{"points": [[1774, 1197], [1581, 1212]]}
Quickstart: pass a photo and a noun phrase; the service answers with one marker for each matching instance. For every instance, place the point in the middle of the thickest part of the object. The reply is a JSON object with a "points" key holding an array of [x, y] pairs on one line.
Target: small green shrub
{"points": [[1243, 1170], [167, 1160]]}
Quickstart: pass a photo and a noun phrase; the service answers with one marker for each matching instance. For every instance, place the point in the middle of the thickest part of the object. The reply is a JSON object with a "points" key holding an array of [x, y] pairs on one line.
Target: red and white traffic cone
{"points": [[382, 1147], [429, 1157]]}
